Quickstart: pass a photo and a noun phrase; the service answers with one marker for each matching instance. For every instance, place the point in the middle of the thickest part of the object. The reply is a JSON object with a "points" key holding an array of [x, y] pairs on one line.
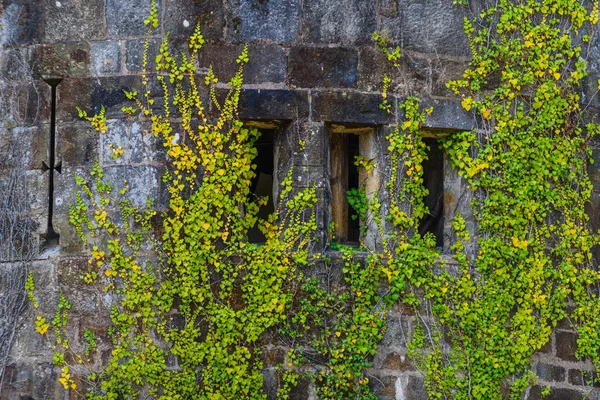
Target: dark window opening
{"points": [[345, 176], [262, 183], [353, 183], [433, 176]]}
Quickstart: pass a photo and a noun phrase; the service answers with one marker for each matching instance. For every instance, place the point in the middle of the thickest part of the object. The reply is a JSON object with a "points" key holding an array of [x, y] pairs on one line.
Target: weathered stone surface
{"points": [[17, 63], [315, 151], [26, 380], [535, 393], [70, 282], [134, 53], [411, 77], [77, 144], [322, 67], [549, 373], [21, 104], [72, 93], [142, 182], [62, 60], [340, 21], [106, 57], [268, 104], [181, 17], [397, 333], [73, 20], [447, 115], [126, 18], [267, 63], [566, 345], [388, 8], [384, 387], [250, 20], [410, 387], [429, 26], [21, 22], [108, 92], [349, 107], [119, 134], [444, 70]]}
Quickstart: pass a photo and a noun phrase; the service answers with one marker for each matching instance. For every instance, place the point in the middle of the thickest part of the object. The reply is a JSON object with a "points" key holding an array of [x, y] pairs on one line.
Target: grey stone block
{"points": [[250, 20], [583, 378], [106, 57], [443, 71], [447, 115], [33, 381], [77, 144], [429, 26], [62, 59], [142, 181], [338, 21], [549, 373], [267, 104], [17, 63], [23, 22], [349, 107], [126, 18], [134, 53], [74, 20], [411, 77], [566, 345], [108, 92], [535, 393], [119, 134], [181, 17], [322, 67], [267, 63]]}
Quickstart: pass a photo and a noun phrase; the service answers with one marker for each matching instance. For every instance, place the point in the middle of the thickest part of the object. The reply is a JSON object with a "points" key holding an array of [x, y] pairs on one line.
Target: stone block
{"points": [[134, 53], [535, 393], [397, 333], [120, 134], [108, 92], [388, 8], [73, 20], [550, 373], [126, 18], [17, 63], [70, 60], [272, 356], [316, 146], [429, 26], [142, 181], [106, 57], [83, 297], [303, 390], [32, 381], [181, 17], [410, 387], [411, 77], [396, 361], [444, 70], [349, 107], [273, 104], [22, 22], [583, 378], [267, 63], [251, 20], [384, 387], [338, 21], [77, 144], [22, 104], [322, 67], [566, 345], [447, 115], [70, 94]]}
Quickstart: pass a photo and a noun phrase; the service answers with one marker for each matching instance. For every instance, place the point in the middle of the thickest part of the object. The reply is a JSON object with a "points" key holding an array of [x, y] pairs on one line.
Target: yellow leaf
{"points": [[205, 226], [486, 113], [338, 334], [557, 75]]}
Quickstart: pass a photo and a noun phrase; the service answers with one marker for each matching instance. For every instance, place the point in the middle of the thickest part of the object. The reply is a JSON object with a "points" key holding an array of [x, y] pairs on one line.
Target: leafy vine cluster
{"points": [[200, 293]]}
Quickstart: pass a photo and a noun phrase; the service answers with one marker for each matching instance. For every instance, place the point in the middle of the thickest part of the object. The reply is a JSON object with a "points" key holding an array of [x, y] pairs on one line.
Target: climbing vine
{"points": [[193, 298]]}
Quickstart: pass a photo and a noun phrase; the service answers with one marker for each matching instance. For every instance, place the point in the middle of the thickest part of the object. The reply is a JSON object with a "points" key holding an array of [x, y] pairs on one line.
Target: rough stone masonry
{"points": [[314, 71]]}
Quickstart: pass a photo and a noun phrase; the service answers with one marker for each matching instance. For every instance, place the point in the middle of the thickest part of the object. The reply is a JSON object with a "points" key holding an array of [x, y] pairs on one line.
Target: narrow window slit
{"points": [[433, 176], [262, 183]]}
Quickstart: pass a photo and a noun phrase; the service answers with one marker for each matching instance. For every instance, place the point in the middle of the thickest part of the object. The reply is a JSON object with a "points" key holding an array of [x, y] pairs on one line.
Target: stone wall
{"points": [[313, 69]]}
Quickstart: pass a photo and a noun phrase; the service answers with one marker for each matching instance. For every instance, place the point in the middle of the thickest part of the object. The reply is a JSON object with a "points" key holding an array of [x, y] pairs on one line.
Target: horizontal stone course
{"points": [[322, 67]]}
